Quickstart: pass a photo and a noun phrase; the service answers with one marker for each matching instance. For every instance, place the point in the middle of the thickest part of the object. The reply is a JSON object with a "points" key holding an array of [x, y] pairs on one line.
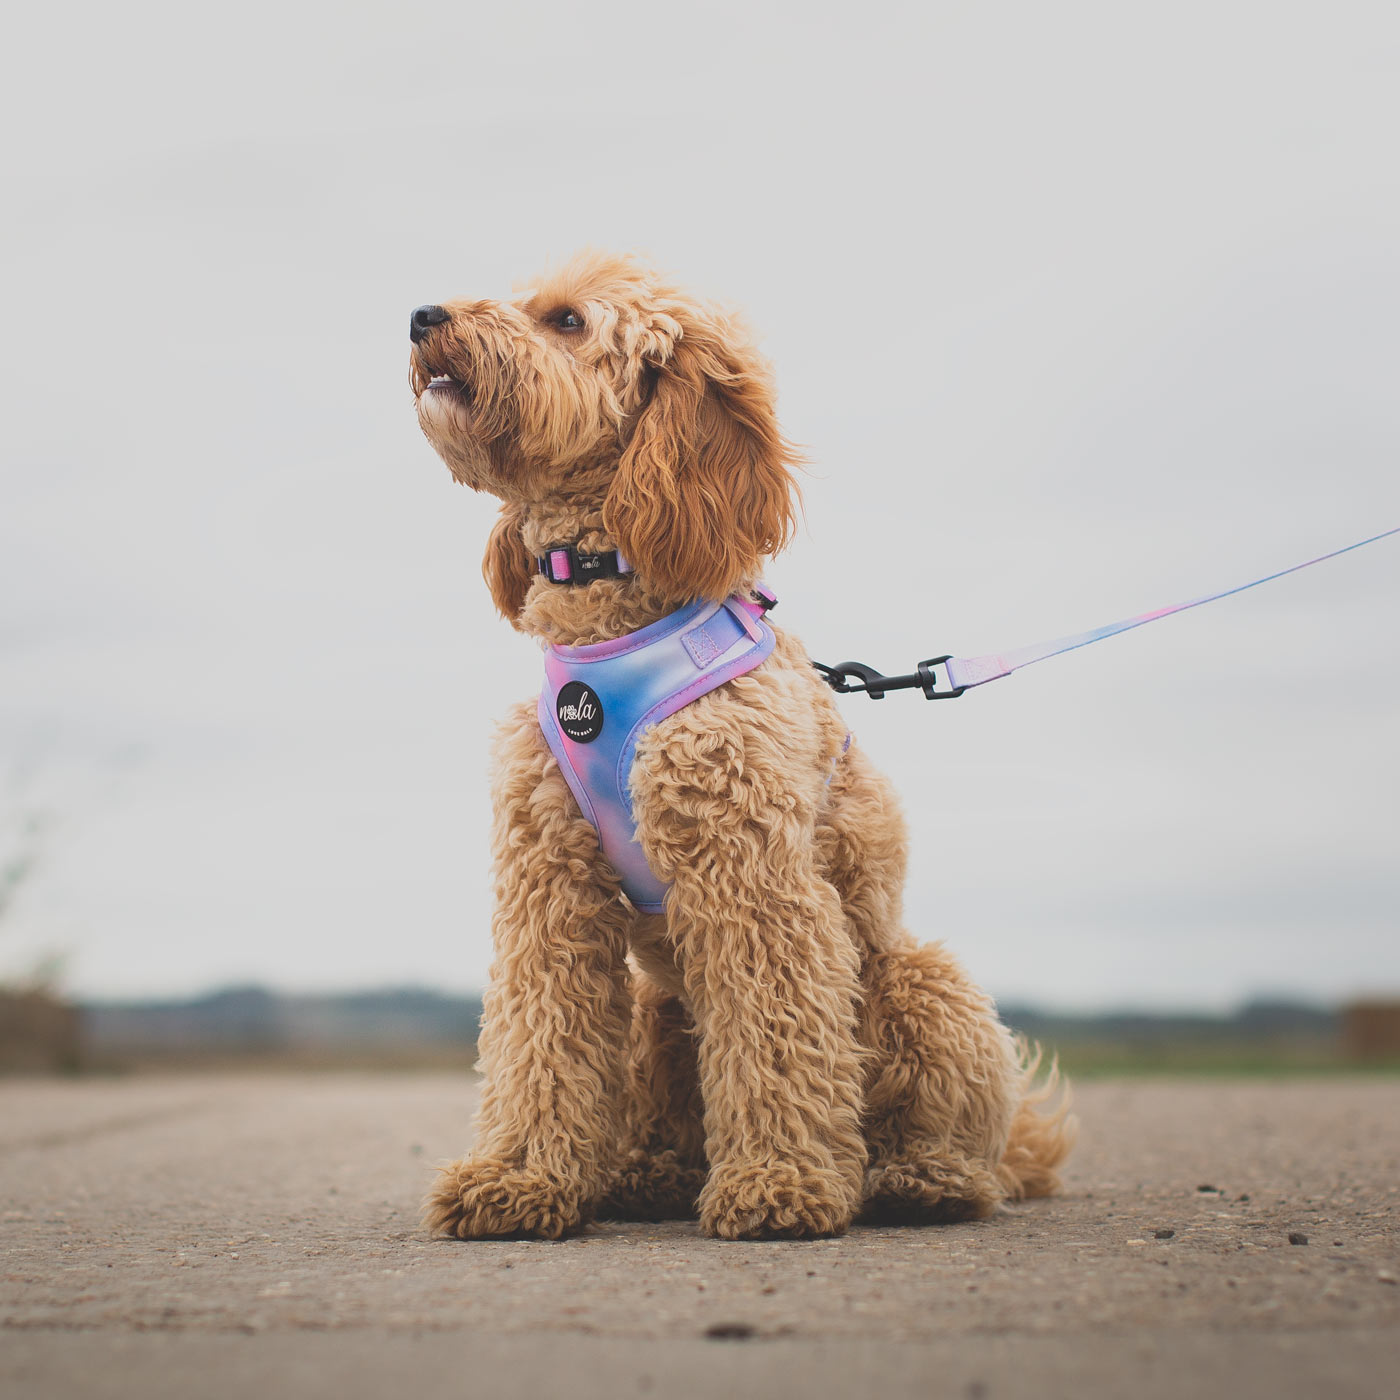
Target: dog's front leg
{"points": [[555, 1023], [771, 976]]}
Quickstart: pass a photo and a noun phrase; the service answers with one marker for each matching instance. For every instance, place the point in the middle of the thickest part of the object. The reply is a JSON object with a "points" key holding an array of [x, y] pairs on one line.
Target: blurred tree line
{"points": [[39, 1031]]}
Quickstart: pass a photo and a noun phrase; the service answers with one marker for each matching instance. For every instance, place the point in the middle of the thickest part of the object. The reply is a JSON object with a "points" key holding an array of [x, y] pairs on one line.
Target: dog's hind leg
{"points": [[661, 1168], [945, 1082], [942, 1092], [554, 1030]]}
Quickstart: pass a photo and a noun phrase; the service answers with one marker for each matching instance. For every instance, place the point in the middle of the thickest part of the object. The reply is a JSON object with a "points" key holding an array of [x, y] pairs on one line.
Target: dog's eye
{"points": [[569, 320]]}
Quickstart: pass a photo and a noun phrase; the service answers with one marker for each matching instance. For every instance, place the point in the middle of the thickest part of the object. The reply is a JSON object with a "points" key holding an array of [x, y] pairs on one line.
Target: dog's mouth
{"points": [[446, 385], [432, 379]]}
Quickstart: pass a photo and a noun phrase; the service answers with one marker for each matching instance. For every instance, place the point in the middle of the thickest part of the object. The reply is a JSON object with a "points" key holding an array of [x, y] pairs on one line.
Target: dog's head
{"points": [[604, 388]]}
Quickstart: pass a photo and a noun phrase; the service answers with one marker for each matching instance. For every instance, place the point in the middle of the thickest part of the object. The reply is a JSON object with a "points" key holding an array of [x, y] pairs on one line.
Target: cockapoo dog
{"points": [[767, 1047]]}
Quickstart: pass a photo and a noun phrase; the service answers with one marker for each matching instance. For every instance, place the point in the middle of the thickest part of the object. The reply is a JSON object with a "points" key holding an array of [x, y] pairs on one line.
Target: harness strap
{"points": [[600, 698]]}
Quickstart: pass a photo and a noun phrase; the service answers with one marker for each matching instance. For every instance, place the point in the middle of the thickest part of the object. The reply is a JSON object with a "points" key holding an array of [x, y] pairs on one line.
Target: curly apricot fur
{"points": [[775, 1053]]}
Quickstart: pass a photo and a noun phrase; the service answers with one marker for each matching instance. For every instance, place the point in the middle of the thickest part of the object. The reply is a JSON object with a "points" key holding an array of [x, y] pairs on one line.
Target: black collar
{"points": [[567, 563]]}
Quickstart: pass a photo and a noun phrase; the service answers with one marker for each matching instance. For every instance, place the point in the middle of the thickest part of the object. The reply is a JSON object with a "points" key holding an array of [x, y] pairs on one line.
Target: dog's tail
{"points": [[1043, 1130]]}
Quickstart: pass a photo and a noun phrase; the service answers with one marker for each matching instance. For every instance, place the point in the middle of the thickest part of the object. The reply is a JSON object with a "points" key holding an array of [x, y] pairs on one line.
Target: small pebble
{"points": [[729, 1331], [1163, 1234], [1207, 1190], [1297, 1237]]}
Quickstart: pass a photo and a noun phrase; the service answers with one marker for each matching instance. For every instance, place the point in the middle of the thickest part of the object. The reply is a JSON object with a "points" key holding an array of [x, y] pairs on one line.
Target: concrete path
{"points": [[258, 1235]]}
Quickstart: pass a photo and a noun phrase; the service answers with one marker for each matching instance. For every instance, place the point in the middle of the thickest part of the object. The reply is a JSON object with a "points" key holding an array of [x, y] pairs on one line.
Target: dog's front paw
{"points": [[652, 1186], [485, 1198], [775, 1200]]}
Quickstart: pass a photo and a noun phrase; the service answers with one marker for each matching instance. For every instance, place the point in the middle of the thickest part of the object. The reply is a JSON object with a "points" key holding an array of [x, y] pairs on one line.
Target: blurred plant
{"points": [[20, 864]]}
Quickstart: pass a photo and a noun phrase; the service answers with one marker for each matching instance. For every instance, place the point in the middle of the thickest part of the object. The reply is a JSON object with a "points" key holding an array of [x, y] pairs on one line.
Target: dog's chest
{"points": [[598, 700]]}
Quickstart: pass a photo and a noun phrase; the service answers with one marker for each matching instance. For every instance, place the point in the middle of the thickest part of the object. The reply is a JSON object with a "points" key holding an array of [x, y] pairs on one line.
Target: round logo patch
{"points": [[580, 712]]}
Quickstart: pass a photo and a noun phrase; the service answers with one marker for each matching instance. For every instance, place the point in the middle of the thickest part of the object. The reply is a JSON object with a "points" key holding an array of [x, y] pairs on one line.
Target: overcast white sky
{"points": [[1080, 309]]}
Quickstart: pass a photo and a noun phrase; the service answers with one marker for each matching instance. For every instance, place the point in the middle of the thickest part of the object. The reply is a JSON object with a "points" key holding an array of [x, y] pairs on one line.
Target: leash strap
{"points": [[962, 673]]}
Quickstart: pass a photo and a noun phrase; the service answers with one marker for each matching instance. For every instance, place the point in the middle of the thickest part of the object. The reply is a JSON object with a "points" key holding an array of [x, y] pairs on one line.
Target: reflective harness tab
{"points": [[598, 700]]}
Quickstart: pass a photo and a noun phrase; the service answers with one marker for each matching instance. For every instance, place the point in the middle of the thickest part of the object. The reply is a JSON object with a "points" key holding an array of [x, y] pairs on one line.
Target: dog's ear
{"points": [[704, 489], [508, 568]]}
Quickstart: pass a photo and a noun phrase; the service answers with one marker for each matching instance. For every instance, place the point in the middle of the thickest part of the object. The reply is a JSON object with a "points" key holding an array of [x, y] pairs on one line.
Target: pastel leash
{"points": [[960, 674]]}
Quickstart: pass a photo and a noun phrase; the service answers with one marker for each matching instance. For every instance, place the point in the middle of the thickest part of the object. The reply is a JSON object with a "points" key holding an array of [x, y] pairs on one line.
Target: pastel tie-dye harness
{"points": [[599, 700]]}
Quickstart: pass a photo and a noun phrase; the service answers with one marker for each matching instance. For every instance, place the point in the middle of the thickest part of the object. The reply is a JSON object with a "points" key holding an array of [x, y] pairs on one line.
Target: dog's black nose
{"points": [[423, 320]]}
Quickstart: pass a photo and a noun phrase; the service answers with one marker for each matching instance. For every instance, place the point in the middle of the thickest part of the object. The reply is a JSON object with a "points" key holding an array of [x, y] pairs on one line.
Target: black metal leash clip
{"points": [[855, 677]]}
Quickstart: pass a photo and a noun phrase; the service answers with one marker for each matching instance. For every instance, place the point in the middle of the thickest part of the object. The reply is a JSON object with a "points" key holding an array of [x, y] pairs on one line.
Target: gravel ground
{"points": [[214, 1235]]}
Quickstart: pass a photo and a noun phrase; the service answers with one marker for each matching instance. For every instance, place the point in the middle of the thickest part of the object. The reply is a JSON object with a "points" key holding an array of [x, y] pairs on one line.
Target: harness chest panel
{"points": [[598, 700]]}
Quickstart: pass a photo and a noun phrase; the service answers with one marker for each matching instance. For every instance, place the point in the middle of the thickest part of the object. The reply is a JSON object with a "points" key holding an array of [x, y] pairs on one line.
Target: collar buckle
{"points": [[567, 563]]}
